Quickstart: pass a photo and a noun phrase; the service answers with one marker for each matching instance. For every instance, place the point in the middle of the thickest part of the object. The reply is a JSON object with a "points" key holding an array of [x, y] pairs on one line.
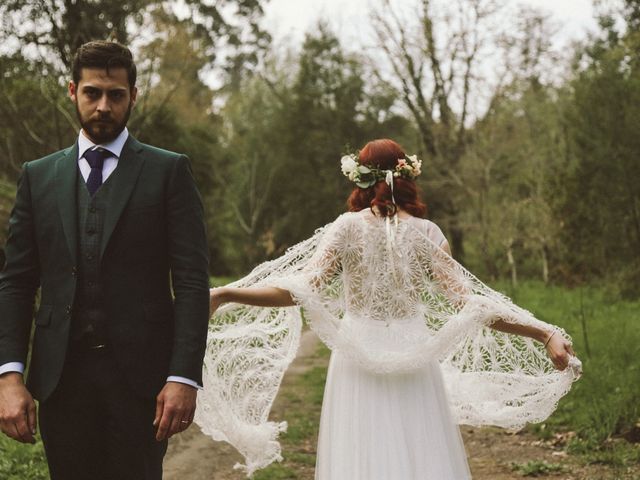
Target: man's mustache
{"points": [[102, 118]]}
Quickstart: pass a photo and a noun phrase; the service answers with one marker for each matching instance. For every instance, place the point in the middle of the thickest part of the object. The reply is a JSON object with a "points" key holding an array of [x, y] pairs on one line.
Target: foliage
{"points": [[57, 27], [285, 132], [545, 184], [508, 174], [601, 197], [35, 118]]}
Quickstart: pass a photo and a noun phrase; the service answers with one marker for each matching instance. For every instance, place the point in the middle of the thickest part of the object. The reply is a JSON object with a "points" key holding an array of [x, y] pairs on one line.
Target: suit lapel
{"points": [[66, 178], [126, 175]]}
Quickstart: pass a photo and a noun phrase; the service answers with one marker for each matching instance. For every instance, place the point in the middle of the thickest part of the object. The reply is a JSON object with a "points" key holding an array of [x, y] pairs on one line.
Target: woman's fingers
{"points": [[565, 361], [569, 348]]}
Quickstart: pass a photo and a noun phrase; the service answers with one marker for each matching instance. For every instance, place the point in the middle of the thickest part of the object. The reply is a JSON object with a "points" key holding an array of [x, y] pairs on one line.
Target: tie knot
{"points": [[96, 157]]}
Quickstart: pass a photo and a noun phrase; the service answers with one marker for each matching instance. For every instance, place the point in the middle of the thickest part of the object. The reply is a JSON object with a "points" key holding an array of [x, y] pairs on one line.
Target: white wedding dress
{"points": [[412, 355], [390, 426], [387, 426]]}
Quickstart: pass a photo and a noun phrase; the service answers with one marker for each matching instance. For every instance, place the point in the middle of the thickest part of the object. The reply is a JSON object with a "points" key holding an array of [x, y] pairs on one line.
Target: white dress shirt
{"points": [[110, 163]]}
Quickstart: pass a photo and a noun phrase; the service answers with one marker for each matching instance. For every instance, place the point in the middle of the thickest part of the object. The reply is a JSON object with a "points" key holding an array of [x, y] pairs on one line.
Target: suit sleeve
{"points": [[19, 279], [189, 265]]}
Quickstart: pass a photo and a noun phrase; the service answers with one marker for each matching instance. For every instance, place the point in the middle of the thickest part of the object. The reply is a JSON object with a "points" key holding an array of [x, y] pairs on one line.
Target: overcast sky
{"points": [[290, 19]]}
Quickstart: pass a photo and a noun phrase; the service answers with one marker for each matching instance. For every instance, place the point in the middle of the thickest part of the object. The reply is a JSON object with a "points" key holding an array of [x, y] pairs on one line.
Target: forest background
{"points": [[531, 158], [531, 155]]}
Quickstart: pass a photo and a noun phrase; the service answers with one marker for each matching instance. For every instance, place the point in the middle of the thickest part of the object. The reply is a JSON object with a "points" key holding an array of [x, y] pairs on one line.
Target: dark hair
{"points": [[384, 154], [105, 55]]}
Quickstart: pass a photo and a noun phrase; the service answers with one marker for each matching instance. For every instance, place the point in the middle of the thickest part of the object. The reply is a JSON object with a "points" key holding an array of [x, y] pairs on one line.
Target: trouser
{"points": [[94, 427]]}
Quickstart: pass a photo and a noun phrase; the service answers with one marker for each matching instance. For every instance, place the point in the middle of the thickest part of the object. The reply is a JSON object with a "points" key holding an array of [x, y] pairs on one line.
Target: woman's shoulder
{"points": [[431, 230], [347, 218], [352, 223], [339, 224]]}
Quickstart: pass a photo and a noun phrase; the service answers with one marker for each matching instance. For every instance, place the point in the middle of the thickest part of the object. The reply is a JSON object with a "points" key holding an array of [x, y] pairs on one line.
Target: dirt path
{"points": [[194, 456], [492, 452]]}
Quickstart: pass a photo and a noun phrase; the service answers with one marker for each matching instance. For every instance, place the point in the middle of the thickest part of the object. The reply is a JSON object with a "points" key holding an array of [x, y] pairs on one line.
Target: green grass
{"points": [[303, 404], [536, 468], [221, 281], [20, 461], [604, 405]]}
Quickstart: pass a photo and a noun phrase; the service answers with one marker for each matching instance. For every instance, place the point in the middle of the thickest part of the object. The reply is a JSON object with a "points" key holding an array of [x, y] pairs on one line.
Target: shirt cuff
{"points": [[17, 367], [186, 381]]}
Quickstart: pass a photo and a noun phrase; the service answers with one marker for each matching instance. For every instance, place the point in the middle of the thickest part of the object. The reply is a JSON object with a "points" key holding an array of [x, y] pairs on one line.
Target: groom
{"points": [[112, 231]]}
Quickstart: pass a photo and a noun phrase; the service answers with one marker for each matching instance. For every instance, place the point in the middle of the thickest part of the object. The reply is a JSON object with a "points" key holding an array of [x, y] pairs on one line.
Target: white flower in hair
{"points": [[348, 164], [364, 176]]}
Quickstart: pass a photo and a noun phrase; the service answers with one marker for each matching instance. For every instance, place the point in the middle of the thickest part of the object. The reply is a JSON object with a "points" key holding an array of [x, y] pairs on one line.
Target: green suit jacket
{"points": [[153, 261]]}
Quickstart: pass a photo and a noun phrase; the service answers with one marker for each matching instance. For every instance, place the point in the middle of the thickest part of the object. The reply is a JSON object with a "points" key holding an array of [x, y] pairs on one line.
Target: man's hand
{"points": [[175, 407], [17, 409]]}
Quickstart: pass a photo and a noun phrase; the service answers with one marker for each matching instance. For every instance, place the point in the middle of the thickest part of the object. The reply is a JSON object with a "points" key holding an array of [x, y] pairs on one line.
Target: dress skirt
{"points": [[387, 426]]}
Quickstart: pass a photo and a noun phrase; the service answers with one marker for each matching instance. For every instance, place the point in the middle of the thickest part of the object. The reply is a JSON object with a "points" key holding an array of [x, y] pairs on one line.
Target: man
{"points": [[109, 229]]}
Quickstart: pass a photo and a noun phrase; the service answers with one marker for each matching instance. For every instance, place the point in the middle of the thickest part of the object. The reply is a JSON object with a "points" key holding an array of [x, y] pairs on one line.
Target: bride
{"points": [[418, 344]]}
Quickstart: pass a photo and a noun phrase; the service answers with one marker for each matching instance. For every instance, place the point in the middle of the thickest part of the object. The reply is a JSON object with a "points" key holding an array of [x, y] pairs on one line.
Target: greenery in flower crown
{"points": [[366, 176]]}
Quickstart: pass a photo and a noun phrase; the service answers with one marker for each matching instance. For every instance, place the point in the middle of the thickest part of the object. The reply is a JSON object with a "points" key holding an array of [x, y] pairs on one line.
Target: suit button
{"points": [[74, 271], [68, 309]]}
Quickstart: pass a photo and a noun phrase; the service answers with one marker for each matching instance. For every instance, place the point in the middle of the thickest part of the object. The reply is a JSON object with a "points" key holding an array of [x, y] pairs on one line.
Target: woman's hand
{"points": [[216, 298], [559, 350]]}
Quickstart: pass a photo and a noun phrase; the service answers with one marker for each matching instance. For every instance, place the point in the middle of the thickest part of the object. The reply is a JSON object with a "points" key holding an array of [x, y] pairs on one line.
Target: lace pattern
{"points": [[390, 304]]}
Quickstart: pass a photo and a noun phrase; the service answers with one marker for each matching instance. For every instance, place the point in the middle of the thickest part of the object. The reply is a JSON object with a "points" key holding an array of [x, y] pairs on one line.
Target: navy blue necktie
{"points": [[96, 161]]}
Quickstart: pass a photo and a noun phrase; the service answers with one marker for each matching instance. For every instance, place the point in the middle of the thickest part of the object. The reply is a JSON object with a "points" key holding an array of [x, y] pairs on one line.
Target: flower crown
{"points": [[366, 176]]}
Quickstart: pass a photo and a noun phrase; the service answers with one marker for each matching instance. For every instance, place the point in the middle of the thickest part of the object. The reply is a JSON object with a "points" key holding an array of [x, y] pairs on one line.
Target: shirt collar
{"points": [[114, 146]]}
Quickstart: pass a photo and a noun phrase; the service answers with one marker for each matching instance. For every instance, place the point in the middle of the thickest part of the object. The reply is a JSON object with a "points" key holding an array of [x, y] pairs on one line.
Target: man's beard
{"points": [[104, 129]]}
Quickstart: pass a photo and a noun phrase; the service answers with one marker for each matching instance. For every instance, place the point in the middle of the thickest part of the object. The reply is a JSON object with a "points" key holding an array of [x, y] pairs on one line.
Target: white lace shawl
{"points": [[388, 297]]}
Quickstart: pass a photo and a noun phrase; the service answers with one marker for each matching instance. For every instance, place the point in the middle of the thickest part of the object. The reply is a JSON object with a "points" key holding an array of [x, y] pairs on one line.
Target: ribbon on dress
{"points": [[391, 233]]}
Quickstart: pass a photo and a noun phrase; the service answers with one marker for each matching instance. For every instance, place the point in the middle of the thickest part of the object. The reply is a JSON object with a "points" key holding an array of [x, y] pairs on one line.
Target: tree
{"points": [[59, 27], [36, 117], [434, 64], [516, 153], [327, 115], [601, 205], [284, 133]]}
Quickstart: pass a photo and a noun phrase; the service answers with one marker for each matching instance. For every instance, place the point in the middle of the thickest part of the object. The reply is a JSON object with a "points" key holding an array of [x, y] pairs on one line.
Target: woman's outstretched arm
{"points": [[558, 348], [258, 296]]}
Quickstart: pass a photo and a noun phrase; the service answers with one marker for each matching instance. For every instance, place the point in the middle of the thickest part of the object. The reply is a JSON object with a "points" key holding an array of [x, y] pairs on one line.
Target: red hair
{"points": [[384, 154]]}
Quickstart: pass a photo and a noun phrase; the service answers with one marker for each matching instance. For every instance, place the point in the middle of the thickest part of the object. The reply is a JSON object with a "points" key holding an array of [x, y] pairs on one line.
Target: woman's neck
{"points": [[399, 211]]}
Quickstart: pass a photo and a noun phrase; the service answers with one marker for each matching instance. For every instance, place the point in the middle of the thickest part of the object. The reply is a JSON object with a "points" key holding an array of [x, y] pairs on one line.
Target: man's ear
{"points": [[134, 96], [73, 92]]}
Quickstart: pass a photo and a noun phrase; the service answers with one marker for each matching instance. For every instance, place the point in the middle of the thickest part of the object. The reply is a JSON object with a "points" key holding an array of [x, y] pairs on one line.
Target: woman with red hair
{"points": [[418, 343]]}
